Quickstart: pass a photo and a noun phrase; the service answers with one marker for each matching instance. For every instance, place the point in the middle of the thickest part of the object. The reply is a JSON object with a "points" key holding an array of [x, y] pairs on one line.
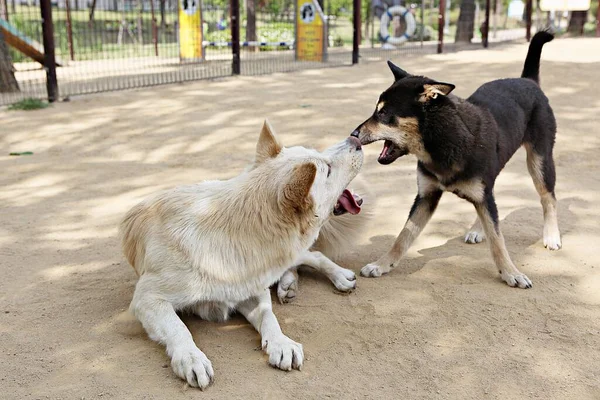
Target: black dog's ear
{"points": [[398, 72], [433, 90]]}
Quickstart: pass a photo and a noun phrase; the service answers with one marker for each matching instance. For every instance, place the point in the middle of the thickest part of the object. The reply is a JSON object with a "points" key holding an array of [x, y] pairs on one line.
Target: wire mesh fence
{"points": [[104, 45]]}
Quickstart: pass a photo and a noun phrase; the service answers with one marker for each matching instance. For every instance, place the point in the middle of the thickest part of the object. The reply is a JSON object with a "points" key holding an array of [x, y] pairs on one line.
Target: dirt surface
{"points": [[442, 325]]}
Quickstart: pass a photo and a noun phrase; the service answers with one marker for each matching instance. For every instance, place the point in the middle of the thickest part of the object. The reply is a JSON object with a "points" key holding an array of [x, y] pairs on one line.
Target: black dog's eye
{"points": [[328, 170]]}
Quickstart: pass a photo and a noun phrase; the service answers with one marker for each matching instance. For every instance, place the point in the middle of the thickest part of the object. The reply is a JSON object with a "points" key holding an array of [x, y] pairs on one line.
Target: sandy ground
{"points": [[441, 326]]}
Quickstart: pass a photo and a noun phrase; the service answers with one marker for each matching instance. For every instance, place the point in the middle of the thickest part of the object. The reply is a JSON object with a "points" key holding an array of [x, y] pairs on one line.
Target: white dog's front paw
{"points": [[193, 366], [473, 237], [284, 353], [517, 279], [344, 280], [287, 288], [552, 239], [374, 271]]}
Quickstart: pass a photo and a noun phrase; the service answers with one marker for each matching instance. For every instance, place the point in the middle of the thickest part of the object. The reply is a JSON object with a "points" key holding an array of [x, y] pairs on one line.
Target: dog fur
{"points": [[216, 247], [461, 147], [336, 237]]}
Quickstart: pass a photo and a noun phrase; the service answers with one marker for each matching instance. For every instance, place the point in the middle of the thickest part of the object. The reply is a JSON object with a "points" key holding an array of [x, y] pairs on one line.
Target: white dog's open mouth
{"points": [[348, 202]]}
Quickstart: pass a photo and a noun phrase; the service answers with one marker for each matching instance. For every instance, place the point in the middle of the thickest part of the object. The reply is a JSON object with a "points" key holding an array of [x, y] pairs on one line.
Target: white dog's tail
{"points": [[342, 232]]}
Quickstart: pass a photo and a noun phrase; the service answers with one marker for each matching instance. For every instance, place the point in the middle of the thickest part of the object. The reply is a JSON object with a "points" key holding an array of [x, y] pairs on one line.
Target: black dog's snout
{"points": [[355, 133]]}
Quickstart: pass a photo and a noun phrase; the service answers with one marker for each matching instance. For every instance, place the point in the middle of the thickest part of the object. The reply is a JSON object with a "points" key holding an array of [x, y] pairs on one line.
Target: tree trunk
{"points": [[466, 21], [4, 9], [578, 19], [8, 82], [251, 20], [162, 16]]}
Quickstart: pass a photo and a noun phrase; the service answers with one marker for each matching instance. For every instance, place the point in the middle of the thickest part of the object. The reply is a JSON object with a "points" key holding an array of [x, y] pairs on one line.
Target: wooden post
{"points": [[92, 9], [154, 28], [598, 20], [4, 9], [70, 30], [356, 4], [486, 25], [49, 58], [441, 23], [235, 37], [528, 11]]}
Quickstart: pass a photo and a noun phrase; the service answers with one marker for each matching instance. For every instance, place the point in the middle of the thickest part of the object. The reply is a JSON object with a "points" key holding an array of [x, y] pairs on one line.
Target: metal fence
{"points": [[103, 45]]}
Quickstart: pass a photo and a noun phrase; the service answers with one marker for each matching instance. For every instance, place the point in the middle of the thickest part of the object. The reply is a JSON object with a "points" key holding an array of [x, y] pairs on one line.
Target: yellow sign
{"points": [[565, 5], [190, 30], [311, 37]]}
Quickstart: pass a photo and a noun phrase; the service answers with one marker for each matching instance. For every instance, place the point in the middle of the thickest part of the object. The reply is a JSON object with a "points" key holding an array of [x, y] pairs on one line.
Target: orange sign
{"points": [[311, 37]]}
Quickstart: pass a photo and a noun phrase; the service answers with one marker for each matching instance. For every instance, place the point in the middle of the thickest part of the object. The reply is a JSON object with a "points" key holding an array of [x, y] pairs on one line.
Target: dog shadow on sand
{"points": [[520, 234]]}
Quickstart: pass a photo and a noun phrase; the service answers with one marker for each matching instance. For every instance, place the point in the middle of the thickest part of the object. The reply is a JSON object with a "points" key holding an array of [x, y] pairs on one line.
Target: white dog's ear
{"points": [[296, 191], [268, 145]]}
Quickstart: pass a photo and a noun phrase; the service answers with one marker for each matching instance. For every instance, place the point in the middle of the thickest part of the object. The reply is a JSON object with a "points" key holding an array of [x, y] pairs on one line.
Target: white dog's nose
{"points": [[355, 142]]}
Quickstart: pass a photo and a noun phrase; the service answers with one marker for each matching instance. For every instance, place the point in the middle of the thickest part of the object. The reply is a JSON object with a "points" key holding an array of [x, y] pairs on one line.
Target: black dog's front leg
{"points": [[420, 213]]}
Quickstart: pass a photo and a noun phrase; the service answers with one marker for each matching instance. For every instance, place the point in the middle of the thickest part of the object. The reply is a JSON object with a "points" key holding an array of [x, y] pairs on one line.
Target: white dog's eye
{"points": [[328, 170]]}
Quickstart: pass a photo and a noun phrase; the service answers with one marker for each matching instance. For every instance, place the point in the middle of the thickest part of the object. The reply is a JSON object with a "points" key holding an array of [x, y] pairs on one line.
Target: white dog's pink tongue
{"points": [[349, 203]]}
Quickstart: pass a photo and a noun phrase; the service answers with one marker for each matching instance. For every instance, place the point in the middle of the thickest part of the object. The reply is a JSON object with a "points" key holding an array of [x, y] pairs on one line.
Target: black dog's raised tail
{"points": [[531, 69]]}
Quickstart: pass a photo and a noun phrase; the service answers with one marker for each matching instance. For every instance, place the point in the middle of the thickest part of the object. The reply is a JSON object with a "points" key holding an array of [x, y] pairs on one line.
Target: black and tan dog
{"points": [[462, 145]]}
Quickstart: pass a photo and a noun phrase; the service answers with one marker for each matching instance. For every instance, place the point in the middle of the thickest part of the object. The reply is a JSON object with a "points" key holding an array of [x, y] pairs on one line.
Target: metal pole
{"points": [[356, 31], [422, 21], [441, 22], [154, 28], [70, 30], [528, 10], [495, 16], [49, 59], [486, 27], [235, 37]]}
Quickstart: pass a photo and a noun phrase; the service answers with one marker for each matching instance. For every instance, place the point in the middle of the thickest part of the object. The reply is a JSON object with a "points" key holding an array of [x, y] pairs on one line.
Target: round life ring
{"points": [[386, 17]]}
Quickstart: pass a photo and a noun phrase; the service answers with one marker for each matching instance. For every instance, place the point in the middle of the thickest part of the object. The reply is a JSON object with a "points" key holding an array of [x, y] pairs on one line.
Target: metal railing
{"points": [[53, 49]]}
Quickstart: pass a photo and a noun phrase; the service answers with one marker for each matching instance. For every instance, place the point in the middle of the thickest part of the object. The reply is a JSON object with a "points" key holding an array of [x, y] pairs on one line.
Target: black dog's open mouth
{"points": [[390, 153], [348, 203]]}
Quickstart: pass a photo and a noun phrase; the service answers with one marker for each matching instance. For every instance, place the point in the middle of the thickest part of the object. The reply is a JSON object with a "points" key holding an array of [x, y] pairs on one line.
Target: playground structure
{"points": [[22, 43]]}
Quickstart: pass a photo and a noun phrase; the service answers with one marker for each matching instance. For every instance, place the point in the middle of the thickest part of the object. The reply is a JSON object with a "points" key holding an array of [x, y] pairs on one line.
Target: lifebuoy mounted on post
{"points": [[409, 19]]}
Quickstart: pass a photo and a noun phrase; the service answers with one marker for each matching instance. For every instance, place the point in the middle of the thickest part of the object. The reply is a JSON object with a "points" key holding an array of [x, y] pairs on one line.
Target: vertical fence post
{"points": [[528, 11], [235, 37], [154, 28], [422, 21], [49, 59], [70, 30], [441, 23], [598, 20], [486, 25], [356, 31]]}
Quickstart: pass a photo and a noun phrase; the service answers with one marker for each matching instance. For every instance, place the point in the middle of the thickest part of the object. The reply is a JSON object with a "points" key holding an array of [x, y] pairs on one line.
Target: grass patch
{"points": [[28, 104]]}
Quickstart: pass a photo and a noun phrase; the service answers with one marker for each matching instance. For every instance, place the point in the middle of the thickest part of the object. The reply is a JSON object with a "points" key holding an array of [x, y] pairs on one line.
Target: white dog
{"points": [[216, 247]]}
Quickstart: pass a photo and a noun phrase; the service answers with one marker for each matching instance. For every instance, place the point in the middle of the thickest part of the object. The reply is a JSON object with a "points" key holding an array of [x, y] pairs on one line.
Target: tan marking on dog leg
{"points": [[412, 228], [475, 234], [472, 190], [551, 239], [551, 235], [509, 272]]}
